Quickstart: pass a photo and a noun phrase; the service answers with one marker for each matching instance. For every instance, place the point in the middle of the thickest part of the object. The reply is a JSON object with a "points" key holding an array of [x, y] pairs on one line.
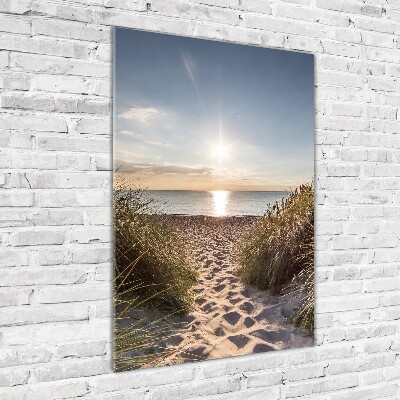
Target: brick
{"points": [[13, 258], [70, 369], [258, 6], [74, 293], [35, 237], [63, 11], [53, 334], [4, 59], [81, 349], [40, 123], [15, 297], [56, 143], [13, 377], [24, 199], [324, 385], [14, 25], [71, 30], [46, 46], [231, 34], [37, 315], [16, 81], [90, 234], [44, 276], [62, 84], [74, 198], [196, 12], [59, 65], [95, 126], [19, 7], [99, 216], [24, 356], [58, 390], [359, 302]]}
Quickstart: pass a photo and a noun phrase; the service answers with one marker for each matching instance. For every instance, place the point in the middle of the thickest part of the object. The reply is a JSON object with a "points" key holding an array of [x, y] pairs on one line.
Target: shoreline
{"points": [[207, 216]]}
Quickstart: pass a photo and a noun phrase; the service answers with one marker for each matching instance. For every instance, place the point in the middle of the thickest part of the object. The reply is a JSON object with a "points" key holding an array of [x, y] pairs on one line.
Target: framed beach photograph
{"points": [[213, 199]]}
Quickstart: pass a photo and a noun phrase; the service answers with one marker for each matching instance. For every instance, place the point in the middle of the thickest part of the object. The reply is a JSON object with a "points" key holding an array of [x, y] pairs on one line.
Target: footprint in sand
{"points": [[173, 341], [200, 301], [248, 322], [219, 288], [219, 331], [209, 306], [265, 315], [227, 308], [188, 319], [247, 307], [235, 300], [261, 348], [246, 293], [239, 340], [271, 336], [195, 353], [232, 317]]}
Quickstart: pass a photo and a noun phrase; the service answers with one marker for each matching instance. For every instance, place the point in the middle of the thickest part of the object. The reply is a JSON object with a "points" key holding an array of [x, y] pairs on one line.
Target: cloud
{"points": [[142, 114], [142, 138], [158, 169], [133, 134], [157, 143]]}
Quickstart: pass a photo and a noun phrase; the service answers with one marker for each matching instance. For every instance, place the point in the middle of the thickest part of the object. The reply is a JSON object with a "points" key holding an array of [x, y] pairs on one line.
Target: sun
{"points": [[221, 152]]}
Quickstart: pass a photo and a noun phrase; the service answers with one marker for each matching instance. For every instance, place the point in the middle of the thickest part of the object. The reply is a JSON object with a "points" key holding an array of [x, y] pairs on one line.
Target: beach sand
{"points": [[230, 318]]}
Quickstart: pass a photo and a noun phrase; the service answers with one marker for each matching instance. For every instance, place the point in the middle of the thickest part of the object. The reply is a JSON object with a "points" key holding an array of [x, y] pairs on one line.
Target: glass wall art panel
{"points": [[213, 199]]}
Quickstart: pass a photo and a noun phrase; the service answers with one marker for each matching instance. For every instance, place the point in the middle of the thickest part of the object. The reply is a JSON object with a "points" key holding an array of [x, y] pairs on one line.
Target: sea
{"points": [[216, 203]]}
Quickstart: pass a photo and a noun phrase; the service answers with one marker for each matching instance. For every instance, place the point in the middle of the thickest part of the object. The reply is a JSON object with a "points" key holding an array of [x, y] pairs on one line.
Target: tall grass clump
{"points": [[304, 315], [150, 256], [137, 339], [281, 247]]}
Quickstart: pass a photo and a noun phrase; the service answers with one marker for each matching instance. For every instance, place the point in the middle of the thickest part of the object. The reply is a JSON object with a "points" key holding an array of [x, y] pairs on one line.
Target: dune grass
{"points": [[281, 247], [138, 342], [150, 252], [152, 271], [304, 315]]}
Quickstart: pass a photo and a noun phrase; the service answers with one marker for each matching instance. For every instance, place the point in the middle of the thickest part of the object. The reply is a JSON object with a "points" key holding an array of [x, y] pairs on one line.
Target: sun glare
{"points": [[220, 200], [220, 152]]}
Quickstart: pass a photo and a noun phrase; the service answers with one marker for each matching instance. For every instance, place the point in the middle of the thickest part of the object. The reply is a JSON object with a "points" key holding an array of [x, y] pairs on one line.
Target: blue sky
{"points": [[195, 114]]}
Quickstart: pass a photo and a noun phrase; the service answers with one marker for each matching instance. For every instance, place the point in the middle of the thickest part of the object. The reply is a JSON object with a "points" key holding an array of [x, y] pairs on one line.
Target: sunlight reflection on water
{"points": [[220, 201]]}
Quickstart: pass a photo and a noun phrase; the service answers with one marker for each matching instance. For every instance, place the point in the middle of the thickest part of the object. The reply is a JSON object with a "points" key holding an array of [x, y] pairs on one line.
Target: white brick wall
{"points": [[55, 220]]}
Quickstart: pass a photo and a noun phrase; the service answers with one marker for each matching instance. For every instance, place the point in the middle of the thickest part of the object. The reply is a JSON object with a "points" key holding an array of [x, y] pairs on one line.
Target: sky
{"points": [[193, 114]]}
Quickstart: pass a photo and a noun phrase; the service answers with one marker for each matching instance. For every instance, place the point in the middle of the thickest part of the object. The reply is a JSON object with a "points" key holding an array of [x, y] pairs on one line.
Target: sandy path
{"points": [[230, 318]]}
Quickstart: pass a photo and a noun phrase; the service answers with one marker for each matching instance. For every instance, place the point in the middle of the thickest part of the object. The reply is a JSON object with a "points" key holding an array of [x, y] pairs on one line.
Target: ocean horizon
{"points": [[215, 203]]}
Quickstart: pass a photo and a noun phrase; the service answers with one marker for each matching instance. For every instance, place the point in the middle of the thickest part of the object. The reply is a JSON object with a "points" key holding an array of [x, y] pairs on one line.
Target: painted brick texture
{"points": [[55, 198]]}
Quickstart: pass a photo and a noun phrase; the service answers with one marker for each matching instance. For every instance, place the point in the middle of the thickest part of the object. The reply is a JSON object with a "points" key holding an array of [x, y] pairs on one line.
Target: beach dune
{"points": [[230, 318]]}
